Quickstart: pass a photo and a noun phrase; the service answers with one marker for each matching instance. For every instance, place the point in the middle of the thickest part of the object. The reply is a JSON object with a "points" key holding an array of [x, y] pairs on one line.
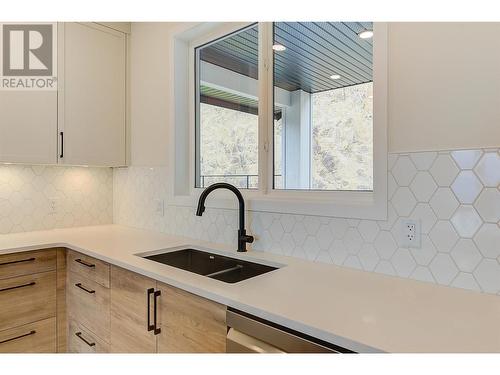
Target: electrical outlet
{"points": [[53, 206], [160, 207], [410, 233]]}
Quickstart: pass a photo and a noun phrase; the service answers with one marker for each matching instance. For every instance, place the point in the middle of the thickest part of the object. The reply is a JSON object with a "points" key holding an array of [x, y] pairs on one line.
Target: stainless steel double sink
{"points": [[214, 266]]}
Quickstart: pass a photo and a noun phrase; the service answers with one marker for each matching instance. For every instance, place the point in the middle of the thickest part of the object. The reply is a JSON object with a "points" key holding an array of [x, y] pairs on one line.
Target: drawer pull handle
{"points": [[89, 265], [17, 286], [150, 326], [155, 313], [79, 335], [17, 261], [18, 337], [79, 285]]}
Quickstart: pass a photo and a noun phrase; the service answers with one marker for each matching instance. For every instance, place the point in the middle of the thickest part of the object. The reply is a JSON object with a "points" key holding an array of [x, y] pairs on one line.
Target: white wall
{"points": [[149, 90], [444, 86], [151, 85]]}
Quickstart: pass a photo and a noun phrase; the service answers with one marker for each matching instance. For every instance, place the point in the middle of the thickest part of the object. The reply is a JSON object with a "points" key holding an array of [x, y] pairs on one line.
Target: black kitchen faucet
{"points": [[243, 238]]}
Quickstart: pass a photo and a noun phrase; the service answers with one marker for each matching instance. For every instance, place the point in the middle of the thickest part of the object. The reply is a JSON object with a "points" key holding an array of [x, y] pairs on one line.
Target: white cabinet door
{"points": [[92, 102], [28, 127]]}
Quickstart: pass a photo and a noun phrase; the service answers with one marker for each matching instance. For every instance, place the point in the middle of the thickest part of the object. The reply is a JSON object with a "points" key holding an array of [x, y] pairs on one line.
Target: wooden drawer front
{"points": [[38, 337], [89, 267], [27, 263], [190, 324], [27, 299], [88, 303], [81, 340]]}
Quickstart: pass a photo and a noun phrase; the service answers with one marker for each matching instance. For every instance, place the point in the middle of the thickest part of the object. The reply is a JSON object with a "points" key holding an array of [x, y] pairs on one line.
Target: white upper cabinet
{"points": [[28, 127], [84, 121], [92, 95]]}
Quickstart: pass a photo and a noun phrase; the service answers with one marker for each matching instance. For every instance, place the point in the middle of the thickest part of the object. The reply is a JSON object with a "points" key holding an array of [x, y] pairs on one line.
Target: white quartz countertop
{"points": [[361, 311]]}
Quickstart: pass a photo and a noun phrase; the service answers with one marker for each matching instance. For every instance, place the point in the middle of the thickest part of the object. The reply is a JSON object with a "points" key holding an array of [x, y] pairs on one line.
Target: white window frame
{"points": [[348, 204]]}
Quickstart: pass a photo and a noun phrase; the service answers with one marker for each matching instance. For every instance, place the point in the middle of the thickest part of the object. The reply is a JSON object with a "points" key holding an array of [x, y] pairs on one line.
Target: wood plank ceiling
{"points": [[314, 52]]}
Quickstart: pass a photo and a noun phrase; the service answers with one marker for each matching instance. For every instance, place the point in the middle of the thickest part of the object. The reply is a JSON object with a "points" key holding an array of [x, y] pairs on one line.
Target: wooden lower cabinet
{"points": [[37, 337], [27, 263], [74, 308], [89, 304], [189, 323], [32, 301], [27, 299], [129, 312], [185, 322], [81, 340], [88, 267]]}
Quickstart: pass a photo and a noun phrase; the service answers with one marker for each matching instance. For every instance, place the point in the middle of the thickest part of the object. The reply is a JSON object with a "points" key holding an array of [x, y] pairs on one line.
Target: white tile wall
{"points": [[83, 196], [455, 195]]}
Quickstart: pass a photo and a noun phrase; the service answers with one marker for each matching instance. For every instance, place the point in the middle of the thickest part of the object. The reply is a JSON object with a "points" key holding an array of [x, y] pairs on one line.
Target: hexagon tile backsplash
{"points": [[47, 197], [454, 194]]}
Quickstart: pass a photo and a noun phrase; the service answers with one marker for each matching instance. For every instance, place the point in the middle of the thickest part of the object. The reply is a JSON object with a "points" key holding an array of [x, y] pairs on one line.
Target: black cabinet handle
{"points": [[18, 337], [79, 335], [17, 261], [17, 286], [155, 313], [82, 262], [79, 285], [62, 145], [150, 292]]}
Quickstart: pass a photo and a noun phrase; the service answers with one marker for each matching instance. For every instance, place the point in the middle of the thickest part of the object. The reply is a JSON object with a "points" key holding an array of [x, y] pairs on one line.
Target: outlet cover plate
{"points": [[410, 233], [53, 206]]}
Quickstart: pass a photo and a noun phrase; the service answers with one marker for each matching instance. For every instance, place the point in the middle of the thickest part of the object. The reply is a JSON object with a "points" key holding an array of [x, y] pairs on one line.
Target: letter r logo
{"points": [[27, 50]]}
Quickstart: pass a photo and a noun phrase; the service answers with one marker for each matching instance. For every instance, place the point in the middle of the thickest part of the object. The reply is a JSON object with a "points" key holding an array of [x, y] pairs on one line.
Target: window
{"points": [[293, 113], [323, 78], [227, 111]]}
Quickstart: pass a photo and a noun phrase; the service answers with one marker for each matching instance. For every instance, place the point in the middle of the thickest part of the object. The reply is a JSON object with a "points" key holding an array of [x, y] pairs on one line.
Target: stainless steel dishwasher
{"points": [[249, 334]]}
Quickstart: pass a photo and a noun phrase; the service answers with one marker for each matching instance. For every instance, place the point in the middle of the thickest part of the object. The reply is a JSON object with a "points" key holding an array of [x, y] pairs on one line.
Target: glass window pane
{"points": [[342, 139], [323, 89], [227, 111]]}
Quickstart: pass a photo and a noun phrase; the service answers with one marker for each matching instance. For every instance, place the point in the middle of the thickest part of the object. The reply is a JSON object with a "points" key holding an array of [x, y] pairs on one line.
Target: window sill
{"points": [[358, 205]]}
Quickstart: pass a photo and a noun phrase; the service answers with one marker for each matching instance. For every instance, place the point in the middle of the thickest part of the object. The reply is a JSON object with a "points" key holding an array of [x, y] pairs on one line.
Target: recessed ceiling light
{"points": [[335, 76], [279, 47], [366, 34]]}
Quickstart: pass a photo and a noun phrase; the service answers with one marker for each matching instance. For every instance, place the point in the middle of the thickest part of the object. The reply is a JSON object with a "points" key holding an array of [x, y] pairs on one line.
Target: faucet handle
{"points": [[243, 238], [247, 238]]}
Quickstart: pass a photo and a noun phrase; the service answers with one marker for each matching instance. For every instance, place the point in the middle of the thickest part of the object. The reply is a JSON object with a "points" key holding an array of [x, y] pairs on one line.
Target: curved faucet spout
{"points": [[243, 238]]}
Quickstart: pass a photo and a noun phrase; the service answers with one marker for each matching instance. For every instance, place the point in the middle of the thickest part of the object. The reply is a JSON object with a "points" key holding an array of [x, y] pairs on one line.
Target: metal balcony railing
{"points": [[243, 181]]}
